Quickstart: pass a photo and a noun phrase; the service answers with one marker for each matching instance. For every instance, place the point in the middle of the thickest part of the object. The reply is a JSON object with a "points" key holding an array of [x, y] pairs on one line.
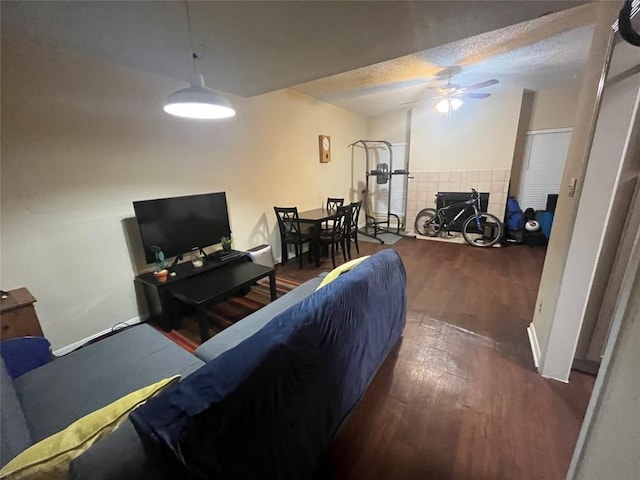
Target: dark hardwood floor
{"points": [[459, 397]]}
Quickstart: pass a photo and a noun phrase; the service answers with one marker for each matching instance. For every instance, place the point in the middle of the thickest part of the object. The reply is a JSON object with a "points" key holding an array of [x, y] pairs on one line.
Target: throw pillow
{"points": [[49, 459], [336, 272]]}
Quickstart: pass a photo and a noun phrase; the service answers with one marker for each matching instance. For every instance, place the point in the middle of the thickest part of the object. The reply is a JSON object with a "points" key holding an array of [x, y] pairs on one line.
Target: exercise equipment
{"points": [[381, 180]]}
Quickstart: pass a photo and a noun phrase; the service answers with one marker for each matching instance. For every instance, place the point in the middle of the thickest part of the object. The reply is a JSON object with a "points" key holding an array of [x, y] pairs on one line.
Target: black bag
{"points": [[515, 218], [529, 214]]}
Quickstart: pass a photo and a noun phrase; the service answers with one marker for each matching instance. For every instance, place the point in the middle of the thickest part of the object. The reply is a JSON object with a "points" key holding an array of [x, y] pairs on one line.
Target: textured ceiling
{"points": [[256, 47], [541, 53]]}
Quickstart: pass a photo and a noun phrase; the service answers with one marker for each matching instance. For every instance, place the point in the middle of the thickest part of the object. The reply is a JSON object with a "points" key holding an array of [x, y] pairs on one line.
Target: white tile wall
{"points": [[424, 186]]}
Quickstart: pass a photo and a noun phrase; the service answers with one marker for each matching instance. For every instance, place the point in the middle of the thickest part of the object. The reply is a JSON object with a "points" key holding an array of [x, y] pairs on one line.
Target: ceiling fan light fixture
{"points": [[443, 106], [448, 105], [198, 102]]}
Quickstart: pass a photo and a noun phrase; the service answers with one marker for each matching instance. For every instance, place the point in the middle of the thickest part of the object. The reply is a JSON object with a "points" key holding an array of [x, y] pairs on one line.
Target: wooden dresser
{"points": [[17, 316]]}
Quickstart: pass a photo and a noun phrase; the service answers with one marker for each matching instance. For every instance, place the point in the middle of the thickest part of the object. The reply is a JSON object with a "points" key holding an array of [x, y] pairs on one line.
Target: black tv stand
{"points": [[156, 292]]}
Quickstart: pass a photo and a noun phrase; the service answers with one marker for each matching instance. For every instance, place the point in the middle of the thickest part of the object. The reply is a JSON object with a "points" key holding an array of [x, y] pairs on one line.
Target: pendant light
{"points": [[197, 101]]}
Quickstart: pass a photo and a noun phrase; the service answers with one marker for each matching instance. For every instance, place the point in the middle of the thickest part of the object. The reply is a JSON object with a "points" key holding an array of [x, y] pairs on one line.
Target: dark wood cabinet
{"points": [[18, 316]]}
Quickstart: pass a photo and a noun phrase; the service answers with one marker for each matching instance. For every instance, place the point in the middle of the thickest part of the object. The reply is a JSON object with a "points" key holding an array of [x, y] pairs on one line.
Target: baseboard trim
{"points": [[70, 348], [554, 378], [535, 346]]}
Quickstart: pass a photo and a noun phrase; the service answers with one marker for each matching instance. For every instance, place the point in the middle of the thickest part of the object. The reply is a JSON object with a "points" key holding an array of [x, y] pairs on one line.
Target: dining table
{"points": [[316, 217]]}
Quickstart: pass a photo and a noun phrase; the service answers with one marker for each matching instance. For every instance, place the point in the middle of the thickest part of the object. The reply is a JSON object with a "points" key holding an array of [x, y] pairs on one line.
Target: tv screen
{"points": [[179, 224]]}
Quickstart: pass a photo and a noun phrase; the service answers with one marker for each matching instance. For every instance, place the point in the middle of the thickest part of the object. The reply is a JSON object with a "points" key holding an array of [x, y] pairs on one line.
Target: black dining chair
{"points": [[335, 236], [291, 233], [352, 229], [332, 204]]}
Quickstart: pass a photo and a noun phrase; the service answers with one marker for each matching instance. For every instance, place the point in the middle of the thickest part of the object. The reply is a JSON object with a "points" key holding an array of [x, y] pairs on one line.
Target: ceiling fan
{"points": [[452, 95]]}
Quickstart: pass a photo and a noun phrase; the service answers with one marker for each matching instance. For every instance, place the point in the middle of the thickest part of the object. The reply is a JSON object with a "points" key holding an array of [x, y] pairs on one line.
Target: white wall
{"points": [[575, 167], [473, 148], [609, 442], [393, 127], [480, 135], [82, 139], [610, 151], [554, 107]]}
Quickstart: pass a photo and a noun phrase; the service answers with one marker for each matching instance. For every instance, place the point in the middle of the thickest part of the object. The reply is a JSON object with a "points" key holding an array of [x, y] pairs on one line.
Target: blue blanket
{"points": [[269, 408]]}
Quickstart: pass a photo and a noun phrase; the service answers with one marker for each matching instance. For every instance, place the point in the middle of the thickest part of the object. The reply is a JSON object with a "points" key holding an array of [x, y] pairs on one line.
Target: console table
{"points": [[200, 287]]}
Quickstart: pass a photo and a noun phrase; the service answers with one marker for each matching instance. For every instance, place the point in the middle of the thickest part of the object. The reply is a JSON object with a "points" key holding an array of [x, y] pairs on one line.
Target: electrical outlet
{"points": [[572, 186], [540, 308]]}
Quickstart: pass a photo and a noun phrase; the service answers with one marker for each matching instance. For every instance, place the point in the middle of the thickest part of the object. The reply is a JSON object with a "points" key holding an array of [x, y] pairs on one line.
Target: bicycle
{"points": [[480, 229]]}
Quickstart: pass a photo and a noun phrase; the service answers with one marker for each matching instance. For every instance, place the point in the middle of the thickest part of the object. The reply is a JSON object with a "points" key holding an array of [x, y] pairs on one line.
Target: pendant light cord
{"points": [[194, 55]]}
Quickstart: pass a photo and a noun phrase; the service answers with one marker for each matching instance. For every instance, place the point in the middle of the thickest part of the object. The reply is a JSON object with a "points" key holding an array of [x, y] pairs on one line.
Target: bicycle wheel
{"points": [[428, 222], [486, 234]]}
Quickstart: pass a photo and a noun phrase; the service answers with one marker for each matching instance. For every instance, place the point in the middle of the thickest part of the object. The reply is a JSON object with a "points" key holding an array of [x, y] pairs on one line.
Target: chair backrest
{"points": [[288, 221], [334, 203], [355, 214], [341, 221]]}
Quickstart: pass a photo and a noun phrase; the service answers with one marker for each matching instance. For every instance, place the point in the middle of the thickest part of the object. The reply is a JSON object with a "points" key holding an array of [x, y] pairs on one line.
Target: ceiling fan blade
{"points": [[476, 95], [426, 99], [486, 83], [449, 72], [414, 101]]}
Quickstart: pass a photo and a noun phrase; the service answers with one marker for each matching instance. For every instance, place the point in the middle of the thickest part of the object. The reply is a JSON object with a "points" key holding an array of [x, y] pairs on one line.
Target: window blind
{"points": [[543, 165]]}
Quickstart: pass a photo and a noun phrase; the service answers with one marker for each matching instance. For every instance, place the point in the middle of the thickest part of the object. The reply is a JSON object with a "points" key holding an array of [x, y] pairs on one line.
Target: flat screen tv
{"points": [[179, 224]]}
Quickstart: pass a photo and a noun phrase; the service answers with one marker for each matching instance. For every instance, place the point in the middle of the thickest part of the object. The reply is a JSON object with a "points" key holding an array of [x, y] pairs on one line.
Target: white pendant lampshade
{"points": [[197, 101]]}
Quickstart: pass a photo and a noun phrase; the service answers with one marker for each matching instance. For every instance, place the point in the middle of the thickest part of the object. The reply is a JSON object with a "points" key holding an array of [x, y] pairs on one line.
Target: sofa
{"points": [[262, 399]]}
